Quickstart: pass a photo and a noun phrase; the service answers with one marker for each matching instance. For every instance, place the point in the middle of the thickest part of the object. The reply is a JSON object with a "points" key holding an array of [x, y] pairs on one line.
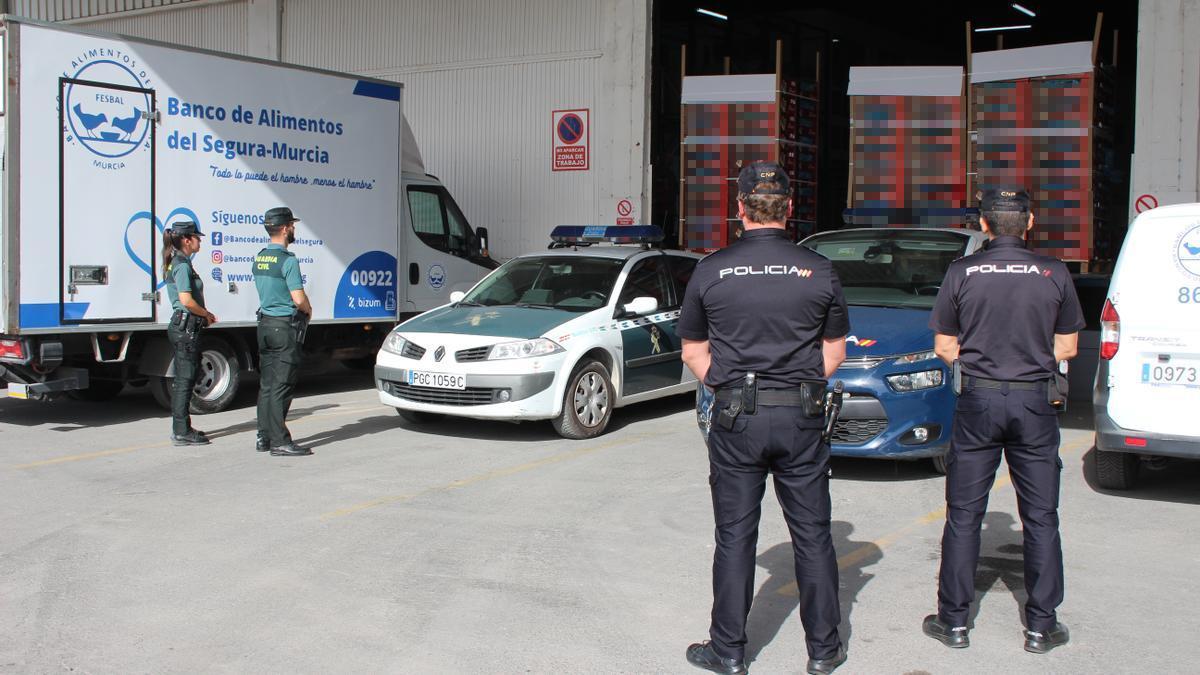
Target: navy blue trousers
{"points": [[779, 440], [1024, 427]]}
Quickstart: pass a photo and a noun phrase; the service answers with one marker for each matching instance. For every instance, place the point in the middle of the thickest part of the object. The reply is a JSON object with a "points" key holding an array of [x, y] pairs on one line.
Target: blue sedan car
{"points": [[899, 403]]}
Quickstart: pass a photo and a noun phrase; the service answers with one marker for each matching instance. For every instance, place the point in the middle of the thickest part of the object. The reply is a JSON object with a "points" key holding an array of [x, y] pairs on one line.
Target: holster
{"points": [[300, 326], [1057, 389], [747, 402]]}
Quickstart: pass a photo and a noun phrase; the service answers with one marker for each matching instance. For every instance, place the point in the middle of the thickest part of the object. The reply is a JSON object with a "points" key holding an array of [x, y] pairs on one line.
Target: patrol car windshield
{"points": [[892, 267], [572, 283]]}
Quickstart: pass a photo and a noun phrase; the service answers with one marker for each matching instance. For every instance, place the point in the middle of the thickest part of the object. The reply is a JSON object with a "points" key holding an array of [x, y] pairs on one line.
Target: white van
{"points": [[1147, 390]]}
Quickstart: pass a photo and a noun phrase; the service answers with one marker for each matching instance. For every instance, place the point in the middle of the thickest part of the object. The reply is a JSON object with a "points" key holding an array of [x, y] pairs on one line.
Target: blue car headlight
{"points": [[925, 379], [915, 358]]}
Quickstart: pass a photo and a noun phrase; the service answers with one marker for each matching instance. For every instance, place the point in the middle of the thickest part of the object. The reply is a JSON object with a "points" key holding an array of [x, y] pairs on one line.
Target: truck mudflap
{"points": [[60, 381]]}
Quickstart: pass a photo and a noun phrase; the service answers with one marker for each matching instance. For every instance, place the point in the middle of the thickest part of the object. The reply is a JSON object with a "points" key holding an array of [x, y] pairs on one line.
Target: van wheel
{"points": [[417, 417], [587, 402], [218, 383], [939, 464], [1116, 470]]}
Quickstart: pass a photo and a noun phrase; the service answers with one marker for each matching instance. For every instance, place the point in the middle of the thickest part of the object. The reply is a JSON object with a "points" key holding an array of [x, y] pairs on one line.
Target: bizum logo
{"points": [[1011, 268], [772, 270]]}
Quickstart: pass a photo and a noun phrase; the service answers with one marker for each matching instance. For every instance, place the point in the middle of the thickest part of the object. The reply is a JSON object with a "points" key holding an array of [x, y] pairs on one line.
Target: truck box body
{"points": [[109, 140]]}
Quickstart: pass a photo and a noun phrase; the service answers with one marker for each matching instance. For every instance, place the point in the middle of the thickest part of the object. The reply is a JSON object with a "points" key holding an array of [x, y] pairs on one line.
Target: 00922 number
{"points": [[1189, 295], [371, 278]]}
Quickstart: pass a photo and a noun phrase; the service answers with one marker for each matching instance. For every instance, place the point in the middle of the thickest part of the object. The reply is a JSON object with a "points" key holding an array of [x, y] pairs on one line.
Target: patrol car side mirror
{"points": [[641, 306], [481, 234], [457, 296]]}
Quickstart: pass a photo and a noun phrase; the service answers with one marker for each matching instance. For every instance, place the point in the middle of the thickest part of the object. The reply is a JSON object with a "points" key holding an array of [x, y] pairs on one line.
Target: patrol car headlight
{"points": [[926, 379], [394, 344], [915, 358], [524, 349]]}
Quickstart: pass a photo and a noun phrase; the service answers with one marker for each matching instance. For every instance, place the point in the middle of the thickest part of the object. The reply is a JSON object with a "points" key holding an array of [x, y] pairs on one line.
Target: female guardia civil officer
{"points": [[185, 289]]}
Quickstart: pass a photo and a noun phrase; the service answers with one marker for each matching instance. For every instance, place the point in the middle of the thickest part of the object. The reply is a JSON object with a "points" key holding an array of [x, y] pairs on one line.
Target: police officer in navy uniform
{"points": [[1008, 316], [282, 317], [764, 324], [185, 290]]}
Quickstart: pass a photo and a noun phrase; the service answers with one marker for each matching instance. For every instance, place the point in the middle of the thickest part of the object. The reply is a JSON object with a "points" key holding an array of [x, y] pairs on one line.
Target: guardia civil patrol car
{"points": [[898, 400], [566, 335]]}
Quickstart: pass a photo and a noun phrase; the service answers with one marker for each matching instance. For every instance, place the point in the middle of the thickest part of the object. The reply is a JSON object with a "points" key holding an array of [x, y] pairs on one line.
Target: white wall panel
{"points": [[368, 35], [220, 27], [67, 10]]}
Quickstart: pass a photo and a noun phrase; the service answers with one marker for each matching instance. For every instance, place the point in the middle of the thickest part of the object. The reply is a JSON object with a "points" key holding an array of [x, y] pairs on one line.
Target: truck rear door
{"points": [[106, 196]]}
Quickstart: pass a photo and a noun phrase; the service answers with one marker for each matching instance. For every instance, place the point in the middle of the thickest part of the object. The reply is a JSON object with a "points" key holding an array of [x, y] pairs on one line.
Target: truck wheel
{"points": [[220, 377], [417, 418], [587, 402], [1116, 470], [939, 464]]}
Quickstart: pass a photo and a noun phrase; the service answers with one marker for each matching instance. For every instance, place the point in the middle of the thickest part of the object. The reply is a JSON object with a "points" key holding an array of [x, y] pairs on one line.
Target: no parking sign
{"points": [[571, 136]]}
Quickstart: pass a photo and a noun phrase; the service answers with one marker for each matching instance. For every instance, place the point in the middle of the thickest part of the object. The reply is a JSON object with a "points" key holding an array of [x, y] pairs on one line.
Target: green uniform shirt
{"points": [[182, 277], [276, 275]]}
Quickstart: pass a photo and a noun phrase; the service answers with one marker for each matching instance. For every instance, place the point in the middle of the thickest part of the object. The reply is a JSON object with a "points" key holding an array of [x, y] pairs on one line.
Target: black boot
{"points": [[192, 437], [822, 666], [1040, 642], [702, 655], [289, 450], [261, 444], [953, 637]]}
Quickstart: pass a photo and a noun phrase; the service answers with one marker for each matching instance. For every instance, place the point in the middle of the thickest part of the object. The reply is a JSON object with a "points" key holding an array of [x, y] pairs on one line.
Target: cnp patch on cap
{"points": [[1004, 198], [280, 215], [763, 178], [186, 228]]}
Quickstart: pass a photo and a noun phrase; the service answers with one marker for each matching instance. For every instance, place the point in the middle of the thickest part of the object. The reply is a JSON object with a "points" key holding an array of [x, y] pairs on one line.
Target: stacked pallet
{"points": [[908, 165], [1035, 115], [730, 121]]}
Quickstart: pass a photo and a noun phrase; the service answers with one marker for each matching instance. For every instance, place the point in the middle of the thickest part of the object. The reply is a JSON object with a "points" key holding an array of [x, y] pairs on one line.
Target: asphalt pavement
{"points": [[487, 547]]}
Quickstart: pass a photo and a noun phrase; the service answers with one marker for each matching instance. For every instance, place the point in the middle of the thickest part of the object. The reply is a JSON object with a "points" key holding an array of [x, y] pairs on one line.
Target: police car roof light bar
{"points": [[614, 234]]}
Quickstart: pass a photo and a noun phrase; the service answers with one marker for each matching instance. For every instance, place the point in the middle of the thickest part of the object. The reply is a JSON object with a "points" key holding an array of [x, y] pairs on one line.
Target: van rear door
{"points": [[1155, 375]]}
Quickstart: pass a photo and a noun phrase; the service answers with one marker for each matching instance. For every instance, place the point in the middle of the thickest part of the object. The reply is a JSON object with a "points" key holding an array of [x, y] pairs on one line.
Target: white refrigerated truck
{"points": [[107, 140]]}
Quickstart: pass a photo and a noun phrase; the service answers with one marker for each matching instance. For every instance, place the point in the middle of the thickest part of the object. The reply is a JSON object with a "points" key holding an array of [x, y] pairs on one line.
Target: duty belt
{"points": [[985, 383], [783, 397]]}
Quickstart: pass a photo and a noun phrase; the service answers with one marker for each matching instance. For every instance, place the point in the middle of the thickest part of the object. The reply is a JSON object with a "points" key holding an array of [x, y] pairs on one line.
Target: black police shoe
{"points": [[702, 655], [1042, 642], [955, 638], [289, 450], [821, 666], [192, 437], [261, 444]]}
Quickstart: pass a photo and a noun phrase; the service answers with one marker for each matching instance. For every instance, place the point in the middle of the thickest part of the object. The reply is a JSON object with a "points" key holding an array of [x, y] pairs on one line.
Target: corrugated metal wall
{"points": [[481, 80], [67, 10], [218, 26]]}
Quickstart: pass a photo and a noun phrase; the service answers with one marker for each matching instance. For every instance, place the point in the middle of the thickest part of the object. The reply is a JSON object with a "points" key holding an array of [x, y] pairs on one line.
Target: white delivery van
{"points": [[109, 140], [1147, 390]]}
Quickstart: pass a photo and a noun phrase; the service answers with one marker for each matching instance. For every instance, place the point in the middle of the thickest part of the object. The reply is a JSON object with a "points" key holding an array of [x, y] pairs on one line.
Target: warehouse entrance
{"points": [[814, 48]]}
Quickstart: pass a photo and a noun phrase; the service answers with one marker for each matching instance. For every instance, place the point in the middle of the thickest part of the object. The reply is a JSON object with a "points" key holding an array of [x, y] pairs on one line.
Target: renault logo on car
{"points": [[439, 353]]}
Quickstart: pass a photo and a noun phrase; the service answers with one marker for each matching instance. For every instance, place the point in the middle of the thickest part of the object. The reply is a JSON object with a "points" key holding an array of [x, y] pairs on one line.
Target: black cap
{"points": [[280, 215], [187, 228], [1004, 198], [763, 178]]}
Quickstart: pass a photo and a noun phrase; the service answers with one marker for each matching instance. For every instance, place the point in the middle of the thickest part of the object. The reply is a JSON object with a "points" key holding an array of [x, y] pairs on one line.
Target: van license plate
{"points": [[418, 378], [18, 390], [1184, 374]]}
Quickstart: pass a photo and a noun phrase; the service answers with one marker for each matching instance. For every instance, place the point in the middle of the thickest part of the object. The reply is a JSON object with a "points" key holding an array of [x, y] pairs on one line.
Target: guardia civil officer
{"points": [[283, 313], [764, 324], [1008, 316], [185, 290]]}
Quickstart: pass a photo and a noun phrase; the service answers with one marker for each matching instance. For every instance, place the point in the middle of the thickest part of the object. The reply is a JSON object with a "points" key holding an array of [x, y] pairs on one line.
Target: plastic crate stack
{"points": [[731, 121], [1035, 116], [908, 156]]}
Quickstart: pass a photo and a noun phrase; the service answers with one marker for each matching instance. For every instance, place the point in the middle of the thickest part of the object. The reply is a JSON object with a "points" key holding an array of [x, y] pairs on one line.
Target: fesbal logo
{"points": [[108, 121], [1187, 251]]}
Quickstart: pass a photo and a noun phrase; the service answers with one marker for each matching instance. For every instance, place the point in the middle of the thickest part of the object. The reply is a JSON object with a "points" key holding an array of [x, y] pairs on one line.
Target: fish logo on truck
{"points": [[109, 122]]}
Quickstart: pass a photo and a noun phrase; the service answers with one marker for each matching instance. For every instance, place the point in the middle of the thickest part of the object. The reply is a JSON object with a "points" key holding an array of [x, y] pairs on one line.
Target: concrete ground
{"points": [[477, 547]]}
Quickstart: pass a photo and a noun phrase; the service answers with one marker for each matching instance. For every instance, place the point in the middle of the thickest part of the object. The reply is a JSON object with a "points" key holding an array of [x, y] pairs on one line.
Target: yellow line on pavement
{"points": [[483, 477], [164, 444], [874, 547]]}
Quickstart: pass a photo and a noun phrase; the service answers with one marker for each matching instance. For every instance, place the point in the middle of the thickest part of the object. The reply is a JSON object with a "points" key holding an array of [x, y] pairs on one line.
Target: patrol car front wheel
{"points": [[587, 403]]}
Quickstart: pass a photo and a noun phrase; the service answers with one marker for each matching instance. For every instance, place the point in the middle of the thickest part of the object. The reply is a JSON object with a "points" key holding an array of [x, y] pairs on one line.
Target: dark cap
{"points": [[763, 178], [280, 215], [186, 228], [1004, 198]]}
